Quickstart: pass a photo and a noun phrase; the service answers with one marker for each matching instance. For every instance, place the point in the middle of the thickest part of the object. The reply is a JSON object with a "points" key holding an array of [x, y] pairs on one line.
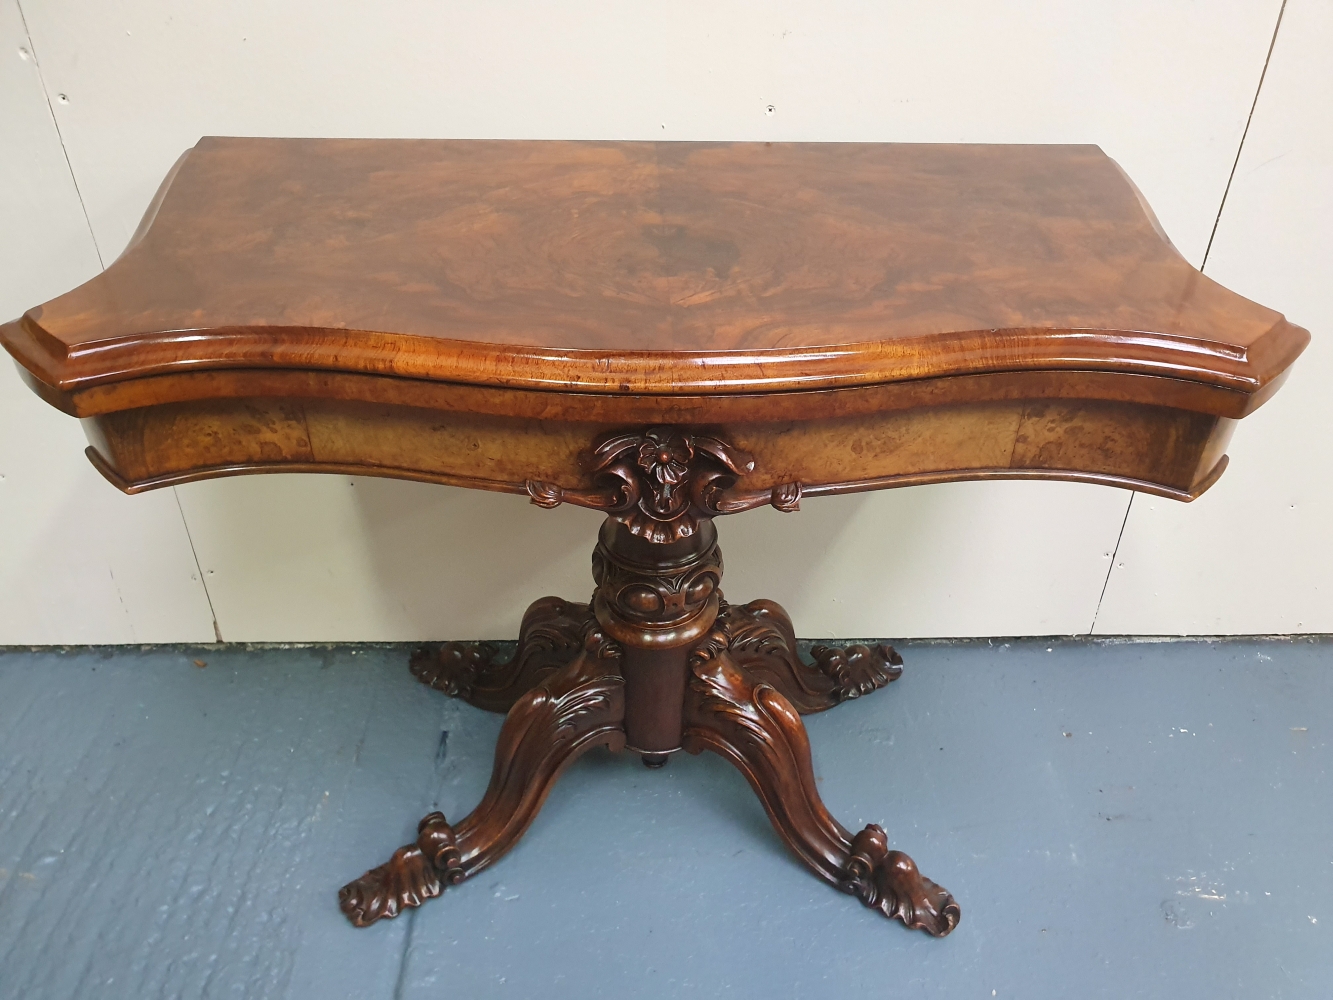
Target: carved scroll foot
{"points": [[572, 710], [748, 722], [550, 637], [760, 638], [888, 881], [858, 669], [417, 872]]}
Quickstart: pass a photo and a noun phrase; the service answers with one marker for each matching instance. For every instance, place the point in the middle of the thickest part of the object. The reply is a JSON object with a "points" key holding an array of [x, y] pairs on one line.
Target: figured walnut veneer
{"points": [[476, 312], [667, 332], [651, 267]]}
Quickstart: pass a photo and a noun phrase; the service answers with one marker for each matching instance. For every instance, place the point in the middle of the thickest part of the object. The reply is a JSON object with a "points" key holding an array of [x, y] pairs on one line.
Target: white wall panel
{"points": [[1164, 87], [956, 559], [1255, 554], [79, 562], [328, 558]]}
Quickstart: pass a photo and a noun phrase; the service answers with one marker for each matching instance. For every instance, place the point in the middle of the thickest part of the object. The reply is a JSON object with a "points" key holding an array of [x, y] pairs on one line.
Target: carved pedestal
{"points": [[657, 663]]}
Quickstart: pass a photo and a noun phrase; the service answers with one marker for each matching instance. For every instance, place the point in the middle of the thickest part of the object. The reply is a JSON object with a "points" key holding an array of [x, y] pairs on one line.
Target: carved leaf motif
{"points": [[889, 881], [664, 457], [580, 706], [751, 724], [546, 495], [662, 481], [552, 635], [759, 637], [858, 669], [786, 497], [674, 479]]}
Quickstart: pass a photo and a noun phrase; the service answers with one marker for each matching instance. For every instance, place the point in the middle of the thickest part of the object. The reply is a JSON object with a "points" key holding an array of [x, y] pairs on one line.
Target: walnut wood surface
{"points": [[1046, 425], [754, 727], [477, 313], [658, 663], [576, 708], [658, 268], [666, 332]]}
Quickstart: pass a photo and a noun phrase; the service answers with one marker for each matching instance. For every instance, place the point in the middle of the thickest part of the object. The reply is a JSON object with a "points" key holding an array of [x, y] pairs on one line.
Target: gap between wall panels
{"points": [[55, 122], [101, 262], [1226, 190], [51, 104]]}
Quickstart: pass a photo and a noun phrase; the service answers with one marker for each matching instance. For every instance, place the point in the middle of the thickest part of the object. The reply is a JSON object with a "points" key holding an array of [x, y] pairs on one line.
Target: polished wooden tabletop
{"points": [[625, 326], [481, 313], [650, 268]]}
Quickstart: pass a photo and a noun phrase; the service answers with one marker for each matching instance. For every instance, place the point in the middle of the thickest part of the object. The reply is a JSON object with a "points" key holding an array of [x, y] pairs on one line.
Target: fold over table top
{"points": [[650, 268]]}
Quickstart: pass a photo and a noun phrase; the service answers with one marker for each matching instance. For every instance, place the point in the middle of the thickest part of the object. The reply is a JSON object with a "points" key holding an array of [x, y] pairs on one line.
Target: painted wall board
{"points": [[317, 558], [954, 559], [143, 79], [329, 558], [1255, 554], [79, 562]]}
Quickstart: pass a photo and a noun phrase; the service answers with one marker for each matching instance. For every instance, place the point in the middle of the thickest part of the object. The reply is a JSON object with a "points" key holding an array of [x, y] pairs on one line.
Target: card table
{"points": [[666, 332]]}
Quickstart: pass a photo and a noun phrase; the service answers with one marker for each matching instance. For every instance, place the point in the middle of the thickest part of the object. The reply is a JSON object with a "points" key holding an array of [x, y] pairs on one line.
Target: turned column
{"points": [[657, 663], [657, 599]]}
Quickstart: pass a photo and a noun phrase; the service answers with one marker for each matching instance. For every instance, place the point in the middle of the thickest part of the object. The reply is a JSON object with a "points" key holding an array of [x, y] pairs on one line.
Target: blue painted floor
{"points": [[1116, 820]]}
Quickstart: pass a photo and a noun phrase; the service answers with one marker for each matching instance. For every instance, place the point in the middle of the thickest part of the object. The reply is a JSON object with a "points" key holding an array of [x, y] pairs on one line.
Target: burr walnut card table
{"points": [[666, 332]]}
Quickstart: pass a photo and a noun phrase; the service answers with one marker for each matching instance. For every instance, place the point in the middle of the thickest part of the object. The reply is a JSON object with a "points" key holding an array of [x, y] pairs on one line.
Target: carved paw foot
{"points": [[858, 669], [407, 880], [453, 667], [760, 638], [551, 636], [415, 873], [889, 881]]}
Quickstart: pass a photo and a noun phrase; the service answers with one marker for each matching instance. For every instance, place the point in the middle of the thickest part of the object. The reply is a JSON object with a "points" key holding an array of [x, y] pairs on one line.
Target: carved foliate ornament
{"points": [[889, 881], [657, 598], [759, 637], [579, 706], [662, 481], [553, 633], [666, 479]]}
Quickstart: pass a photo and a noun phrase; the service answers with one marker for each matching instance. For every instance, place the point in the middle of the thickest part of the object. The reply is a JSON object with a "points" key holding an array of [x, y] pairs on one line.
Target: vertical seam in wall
{"points": [[1248, 118], [217, 632], [1268, 56], [87, 220], [50, 109], [1111, 568]]}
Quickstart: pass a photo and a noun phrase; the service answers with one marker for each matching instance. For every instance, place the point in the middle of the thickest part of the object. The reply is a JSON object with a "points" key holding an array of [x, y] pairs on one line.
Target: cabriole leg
{"points": [[574, 709], [758, 730]]}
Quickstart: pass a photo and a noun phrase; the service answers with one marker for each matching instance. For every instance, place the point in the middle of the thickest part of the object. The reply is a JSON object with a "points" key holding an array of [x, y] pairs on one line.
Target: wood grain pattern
{"points": [[665, 332], [750, 724], [1006, 426], [656, 268], [551, 635], [572, 710], [658, 663], [477, 313]]}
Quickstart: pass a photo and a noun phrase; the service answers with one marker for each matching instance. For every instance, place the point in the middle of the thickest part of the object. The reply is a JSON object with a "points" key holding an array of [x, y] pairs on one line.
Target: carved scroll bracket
{"points": [[662, 481]]}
